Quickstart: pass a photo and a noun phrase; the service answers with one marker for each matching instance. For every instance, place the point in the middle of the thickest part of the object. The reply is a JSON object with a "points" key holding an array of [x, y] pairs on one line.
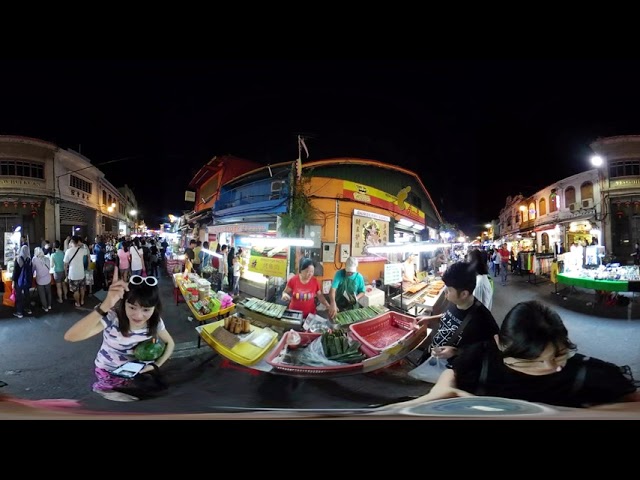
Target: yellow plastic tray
{"points": [[244, 353]]}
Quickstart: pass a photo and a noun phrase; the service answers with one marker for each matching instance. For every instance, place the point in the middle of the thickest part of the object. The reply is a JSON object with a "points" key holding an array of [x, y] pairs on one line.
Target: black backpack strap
{"points": [[484, 373], [578, 383]]}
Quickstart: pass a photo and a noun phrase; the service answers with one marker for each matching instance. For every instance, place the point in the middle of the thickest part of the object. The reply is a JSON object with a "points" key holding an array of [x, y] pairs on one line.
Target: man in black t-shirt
{"points": [[460, 281]]}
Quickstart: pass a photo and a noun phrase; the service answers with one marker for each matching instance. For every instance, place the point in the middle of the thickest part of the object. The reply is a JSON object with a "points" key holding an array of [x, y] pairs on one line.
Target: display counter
{"points": [[428, 300], [217, 311], [576, 280], [385, 339]]}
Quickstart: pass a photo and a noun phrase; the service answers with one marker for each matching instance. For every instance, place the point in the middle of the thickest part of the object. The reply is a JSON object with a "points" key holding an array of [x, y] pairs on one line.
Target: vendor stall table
{"points": [[266, 361], [574, 280], [179, 291]]}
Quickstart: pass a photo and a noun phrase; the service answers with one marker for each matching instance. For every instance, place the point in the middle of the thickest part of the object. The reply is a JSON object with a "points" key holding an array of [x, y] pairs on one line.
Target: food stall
{"points": [[204, 303], [360, 347]]}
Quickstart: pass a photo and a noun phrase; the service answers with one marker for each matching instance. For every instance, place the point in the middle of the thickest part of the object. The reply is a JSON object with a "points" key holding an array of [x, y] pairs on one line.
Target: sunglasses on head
{"points": [[138, 279]]}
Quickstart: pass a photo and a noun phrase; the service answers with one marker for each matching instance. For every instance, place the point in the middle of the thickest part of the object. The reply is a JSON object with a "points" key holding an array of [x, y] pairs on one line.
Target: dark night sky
{"points": [[474, 131]]}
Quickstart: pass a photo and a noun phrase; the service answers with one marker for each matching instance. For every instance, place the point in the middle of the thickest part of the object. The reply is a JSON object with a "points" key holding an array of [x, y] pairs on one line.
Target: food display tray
{"points": [[306, 370]]}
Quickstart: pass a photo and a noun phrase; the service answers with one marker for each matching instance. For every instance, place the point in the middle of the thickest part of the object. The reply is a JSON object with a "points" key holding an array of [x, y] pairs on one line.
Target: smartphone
{"points": [[129, 369]]}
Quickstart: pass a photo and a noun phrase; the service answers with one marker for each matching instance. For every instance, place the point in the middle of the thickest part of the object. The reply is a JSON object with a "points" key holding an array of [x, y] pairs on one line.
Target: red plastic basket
{"points": [[381, 332], [305, 339]]}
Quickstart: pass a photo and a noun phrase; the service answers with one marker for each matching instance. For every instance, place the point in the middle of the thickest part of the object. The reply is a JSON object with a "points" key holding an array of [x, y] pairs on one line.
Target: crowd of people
{"points": [[77, 266]]}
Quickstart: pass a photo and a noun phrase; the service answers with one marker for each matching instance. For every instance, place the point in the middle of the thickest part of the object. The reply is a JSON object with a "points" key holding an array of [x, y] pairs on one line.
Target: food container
{"points": [[381, 332]]}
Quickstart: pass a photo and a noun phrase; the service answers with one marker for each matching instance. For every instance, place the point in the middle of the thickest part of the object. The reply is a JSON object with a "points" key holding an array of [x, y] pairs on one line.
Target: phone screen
{"points": [[129, 369]]}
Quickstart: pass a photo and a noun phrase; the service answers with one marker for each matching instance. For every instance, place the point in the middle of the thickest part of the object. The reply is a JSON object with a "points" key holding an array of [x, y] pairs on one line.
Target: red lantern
{"points": [[15, 204], [24, 204], [619, 214], [34, 214], [6, 204]]}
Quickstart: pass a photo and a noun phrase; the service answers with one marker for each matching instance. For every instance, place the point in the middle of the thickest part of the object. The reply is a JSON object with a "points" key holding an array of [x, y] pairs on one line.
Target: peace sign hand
{"points": [[116, 291]]}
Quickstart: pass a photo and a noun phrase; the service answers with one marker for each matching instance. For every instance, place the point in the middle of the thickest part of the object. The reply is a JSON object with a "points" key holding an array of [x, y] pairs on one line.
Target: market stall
{"points": [[361, 347], [618, 279], [204, 303]]}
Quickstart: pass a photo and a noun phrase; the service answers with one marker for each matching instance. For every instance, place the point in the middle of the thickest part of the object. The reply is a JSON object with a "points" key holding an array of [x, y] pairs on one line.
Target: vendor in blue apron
{"points": [[347, 288]]}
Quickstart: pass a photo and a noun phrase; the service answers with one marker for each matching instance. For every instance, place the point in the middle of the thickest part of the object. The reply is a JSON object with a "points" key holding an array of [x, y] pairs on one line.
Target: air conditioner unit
{"points": [[574, 207], [276, 190], [587, 203]]}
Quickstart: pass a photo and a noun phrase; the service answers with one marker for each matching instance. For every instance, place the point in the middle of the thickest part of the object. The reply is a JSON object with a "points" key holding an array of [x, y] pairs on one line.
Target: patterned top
{"points": [[117, 349], [303, 295]]}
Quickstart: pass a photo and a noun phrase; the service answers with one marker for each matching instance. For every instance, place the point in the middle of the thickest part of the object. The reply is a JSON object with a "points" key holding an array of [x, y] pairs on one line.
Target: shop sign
{"points": [[240, 228], [627, 182], [580, 213], [21, 182], [378, 198], [367, 232], [269, 261], [392, 273]]}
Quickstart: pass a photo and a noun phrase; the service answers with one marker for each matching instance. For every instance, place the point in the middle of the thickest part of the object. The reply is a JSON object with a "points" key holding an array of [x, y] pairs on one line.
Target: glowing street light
{"points": [[597, 160]]}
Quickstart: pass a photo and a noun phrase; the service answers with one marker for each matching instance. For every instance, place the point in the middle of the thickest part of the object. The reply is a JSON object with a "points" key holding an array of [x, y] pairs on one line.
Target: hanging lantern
{"points": [[619, 214], [6, 204], [34, 213], [15, 204], [24, 204], [37, 204], [627, 204]]}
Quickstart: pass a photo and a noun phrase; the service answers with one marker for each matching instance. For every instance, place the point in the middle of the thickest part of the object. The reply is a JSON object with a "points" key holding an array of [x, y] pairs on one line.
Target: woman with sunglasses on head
{"points": [[533, 359], [124, 325]]}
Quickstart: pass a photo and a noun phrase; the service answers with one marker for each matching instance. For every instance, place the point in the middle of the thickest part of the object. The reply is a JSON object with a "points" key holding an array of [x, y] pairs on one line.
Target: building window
{"points": [[586, 191], [542, 205], [80, 184], [20, 168], [624, 168], [569, 196], [104, 197]]}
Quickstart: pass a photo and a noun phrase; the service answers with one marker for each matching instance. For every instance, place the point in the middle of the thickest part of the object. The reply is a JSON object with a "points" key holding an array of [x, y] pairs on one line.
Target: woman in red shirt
{"points": [[302, 289]]}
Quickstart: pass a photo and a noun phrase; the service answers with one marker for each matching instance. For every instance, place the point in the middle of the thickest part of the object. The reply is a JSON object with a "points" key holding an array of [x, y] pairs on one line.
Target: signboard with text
{"points": [[269, 261], [392, 273], [367, 232]]}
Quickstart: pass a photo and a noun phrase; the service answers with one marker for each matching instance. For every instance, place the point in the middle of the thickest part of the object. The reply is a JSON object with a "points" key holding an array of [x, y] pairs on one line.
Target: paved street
{"points": [[37, 363]]}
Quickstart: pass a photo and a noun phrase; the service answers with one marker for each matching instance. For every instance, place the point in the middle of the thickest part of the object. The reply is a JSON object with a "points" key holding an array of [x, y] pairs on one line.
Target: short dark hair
{"points": [[529, 328], [461, 276]]}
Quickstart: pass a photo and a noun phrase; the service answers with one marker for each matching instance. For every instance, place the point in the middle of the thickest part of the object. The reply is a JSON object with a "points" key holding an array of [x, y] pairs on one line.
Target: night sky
{"points": [[474, 131]]}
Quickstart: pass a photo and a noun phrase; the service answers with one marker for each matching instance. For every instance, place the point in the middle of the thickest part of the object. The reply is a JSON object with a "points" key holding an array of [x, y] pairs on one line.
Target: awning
{"points": [[266, 207]]}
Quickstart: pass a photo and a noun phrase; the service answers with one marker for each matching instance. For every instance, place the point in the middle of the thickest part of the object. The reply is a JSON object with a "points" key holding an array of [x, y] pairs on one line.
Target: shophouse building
{"points": [[49, 193], [619, 177]]}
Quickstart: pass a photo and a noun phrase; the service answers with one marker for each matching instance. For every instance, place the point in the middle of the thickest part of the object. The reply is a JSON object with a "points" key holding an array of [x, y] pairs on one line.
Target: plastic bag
{"points": [[314, 355], [316, 324], [12, 297], [430, 370]]}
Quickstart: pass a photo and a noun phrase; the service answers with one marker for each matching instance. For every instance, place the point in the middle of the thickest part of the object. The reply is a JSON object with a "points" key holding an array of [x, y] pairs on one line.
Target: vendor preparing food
{"points": [[302, 289], [347, 288]]}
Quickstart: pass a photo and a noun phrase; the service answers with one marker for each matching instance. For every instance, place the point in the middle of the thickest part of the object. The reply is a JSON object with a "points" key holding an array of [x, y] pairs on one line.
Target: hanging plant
{"points": [[300, 213]]}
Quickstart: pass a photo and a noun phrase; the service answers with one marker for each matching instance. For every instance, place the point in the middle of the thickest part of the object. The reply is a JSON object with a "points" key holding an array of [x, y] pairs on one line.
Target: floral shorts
{"points": [[75, 285], [106, 382]]}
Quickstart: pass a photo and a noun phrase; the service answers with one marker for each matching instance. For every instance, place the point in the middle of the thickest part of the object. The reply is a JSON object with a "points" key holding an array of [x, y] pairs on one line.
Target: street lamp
{"points": [[597, 160]]}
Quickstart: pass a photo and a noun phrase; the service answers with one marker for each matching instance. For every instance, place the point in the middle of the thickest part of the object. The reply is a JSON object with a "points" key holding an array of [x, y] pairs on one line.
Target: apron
{"points": [[346, 293]]}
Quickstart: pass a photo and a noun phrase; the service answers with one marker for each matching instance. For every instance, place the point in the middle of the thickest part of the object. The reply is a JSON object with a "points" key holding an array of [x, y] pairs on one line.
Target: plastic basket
{"points": [[305, 339], [381, 332]]}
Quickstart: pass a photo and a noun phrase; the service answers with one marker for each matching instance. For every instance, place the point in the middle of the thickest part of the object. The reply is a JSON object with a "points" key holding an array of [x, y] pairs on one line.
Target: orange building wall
{"points": [[326, 187]]}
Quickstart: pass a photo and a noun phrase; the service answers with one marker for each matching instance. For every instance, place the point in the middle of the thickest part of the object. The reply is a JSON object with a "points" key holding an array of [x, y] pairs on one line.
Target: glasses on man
{"points": [[138, 279], [539, 363]]}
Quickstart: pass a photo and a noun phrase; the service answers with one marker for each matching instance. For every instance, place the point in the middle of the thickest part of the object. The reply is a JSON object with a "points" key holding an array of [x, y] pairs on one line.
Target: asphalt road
{"points": [[37, 363]]}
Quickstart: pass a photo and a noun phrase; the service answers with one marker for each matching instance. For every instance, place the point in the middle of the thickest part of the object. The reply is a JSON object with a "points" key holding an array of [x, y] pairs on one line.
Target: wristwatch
{"points": [[99, 310]]}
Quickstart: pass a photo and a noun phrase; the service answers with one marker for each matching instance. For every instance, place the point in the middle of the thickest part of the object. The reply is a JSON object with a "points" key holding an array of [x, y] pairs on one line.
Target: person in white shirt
{"points": [[41, 267], [484, 286], [74, 268]]}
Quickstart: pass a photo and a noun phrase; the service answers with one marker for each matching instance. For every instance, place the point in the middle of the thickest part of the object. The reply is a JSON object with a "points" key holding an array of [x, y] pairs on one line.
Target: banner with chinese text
{"points": [[367, 232]]}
